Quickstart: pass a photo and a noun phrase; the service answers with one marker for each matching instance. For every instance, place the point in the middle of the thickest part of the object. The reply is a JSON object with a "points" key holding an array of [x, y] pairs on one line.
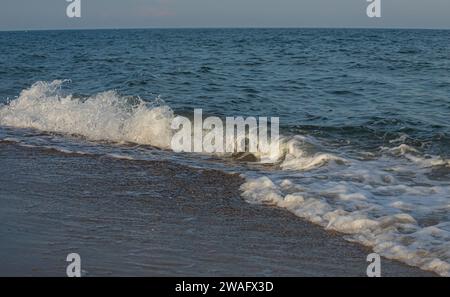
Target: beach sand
{"points": [[135, 218]]}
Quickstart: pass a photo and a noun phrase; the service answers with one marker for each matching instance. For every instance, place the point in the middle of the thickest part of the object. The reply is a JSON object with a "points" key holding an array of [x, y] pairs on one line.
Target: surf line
{"points": [[236, 135]]}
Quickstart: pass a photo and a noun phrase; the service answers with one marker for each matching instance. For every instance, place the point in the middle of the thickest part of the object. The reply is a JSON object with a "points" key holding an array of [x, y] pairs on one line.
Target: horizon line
{"points": [[219, 27]]}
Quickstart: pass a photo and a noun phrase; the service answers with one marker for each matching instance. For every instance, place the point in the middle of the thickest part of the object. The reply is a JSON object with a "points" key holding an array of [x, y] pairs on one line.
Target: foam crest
{"points": [[299, 153], [105, 116], [414, 156]]}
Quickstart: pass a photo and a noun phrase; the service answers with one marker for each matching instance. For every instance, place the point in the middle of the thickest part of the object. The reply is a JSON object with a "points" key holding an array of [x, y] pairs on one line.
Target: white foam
{"points": [[298, 155], [413, 155], [121, 157], [396, 236], [386, 203], [105, 116]]}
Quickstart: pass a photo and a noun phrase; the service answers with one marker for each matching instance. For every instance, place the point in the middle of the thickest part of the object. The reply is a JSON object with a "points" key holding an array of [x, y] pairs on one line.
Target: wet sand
{"points": [[134, 218]]}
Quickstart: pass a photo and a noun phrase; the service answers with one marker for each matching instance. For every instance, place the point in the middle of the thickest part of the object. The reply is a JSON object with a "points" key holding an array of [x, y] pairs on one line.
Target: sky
{"points": [[51, 14]]}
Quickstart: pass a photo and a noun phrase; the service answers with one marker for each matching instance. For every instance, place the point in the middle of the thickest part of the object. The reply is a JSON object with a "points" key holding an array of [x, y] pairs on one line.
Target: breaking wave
{"points": [[105, 116], [394, 201]]}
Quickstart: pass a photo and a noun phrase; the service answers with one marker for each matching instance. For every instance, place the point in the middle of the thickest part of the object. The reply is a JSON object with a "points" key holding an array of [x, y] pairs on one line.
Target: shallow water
{"points": [[153, 218], [363, 113]]}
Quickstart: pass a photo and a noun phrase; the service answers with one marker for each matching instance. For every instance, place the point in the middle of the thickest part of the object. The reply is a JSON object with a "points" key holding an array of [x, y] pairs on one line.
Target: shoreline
{"points": [[155, 218]]}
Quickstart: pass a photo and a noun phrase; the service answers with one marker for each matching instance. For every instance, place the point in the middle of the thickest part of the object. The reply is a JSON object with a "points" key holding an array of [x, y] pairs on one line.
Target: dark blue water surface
{"points": [[366, 87]]}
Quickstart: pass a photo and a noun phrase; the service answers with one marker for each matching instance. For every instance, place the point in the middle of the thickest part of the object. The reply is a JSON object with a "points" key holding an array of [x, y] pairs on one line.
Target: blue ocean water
{"points": [[364, 115], [367, 86]]}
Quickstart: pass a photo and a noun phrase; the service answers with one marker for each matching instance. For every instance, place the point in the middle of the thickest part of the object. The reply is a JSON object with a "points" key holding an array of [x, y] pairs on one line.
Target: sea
{"points": [[364, 122]]}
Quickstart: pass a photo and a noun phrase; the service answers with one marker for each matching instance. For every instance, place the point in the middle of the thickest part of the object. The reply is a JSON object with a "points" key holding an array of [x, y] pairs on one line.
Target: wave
{"points": [[389, 202], [105, 116], [413, 155], [298, 154]]}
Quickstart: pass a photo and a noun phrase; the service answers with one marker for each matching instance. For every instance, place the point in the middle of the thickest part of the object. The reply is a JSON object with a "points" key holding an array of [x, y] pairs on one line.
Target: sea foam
{"points": [[105, 116], [388, 203]]}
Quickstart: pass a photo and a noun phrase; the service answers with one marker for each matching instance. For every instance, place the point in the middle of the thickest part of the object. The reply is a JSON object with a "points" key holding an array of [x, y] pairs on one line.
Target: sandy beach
{"points": [[135, 218]]}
